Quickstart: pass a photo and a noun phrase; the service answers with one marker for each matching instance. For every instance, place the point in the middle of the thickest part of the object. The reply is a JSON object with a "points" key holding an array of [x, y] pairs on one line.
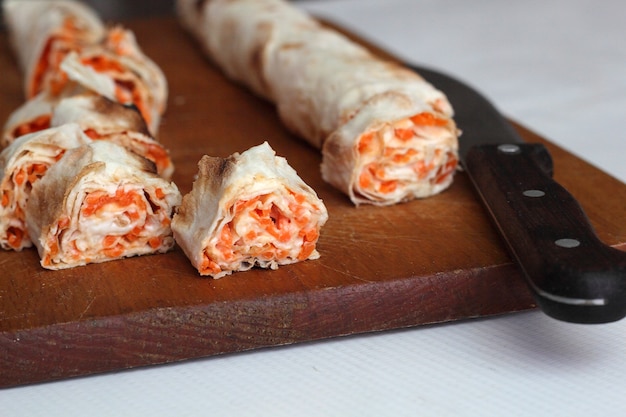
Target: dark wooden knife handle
{"points": [[574, 276]]}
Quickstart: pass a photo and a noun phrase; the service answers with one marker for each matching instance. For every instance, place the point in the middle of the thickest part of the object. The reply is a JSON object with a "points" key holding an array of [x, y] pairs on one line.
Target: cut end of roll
{"points": [[248, 210], [392, 162]]}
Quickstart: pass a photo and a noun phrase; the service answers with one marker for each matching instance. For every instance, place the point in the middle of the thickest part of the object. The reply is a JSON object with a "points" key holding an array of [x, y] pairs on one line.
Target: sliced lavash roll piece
{"points": [[104, 119], [32, 116], [22, 164], [250, 209], [98, 203], [35, 113], [42, 33], [118, 69], [99, 117], [386, 134]]}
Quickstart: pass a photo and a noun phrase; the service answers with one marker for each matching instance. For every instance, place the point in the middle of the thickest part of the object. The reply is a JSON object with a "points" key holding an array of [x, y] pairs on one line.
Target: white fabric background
{"points": [[557, 66]]}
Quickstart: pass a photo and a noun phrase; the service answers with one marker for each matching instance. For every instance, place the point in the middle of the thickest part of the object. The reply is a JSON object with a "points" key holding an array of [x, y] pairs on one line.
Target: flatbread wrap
{"points": [[22, 164], [250, 209], [118, 69], [98, 203], [32, 116], [42, 33], [99, 117], [63, 45], [104, 119], [386, 134]]}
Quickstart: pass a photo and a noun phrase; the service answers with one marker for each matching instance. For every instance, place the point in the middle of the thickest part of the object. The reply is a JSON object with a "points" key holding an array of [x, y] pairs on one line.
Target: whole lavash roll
{"points": [[386, 134]]}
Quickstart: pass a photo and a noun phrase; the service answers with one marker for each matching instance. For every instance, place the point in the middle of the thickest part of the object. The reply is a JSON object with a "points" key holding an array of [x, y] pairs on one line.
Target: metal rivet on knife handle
{"points": [[509, 149], [534, 193], [567, 243]]}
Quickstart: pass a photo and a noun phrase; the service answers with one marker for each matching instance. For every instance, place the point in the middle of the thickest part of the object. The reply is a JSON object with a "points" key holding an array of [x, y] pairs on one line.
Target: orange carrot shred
{"points": [[109, 241], [114, 252], [404, 134], [15, 237], [428, 119], [365, 141], [388, 186], [154, 242], [39, 123], [19, 177], [92, 134]]}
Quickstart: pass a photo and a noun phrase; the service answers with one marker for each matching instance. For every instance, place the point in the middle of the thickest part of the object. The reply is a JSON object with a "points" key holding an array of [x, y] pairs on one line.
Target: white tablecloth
{"points": [[559, 67]]}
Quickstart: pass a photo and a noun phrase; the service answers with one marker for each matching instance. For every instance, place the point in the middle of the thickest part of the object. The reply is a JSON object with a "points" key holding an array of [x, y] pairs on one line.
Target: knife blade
{"points": [[572, 274]]}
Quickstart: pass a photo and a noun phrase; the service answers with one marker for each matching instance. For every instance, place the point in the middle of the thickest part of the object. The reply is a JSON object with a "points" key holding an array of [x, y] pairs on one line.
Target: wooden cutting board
{"points": [[426, 261]]}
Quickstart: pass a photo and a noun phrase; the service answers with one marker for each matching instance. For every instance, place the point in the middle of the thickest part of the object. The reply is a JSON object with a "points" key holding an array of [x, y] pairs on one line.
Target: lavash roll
{"points": [[118, 69], [42, 31], [62, 46], [99, 117], [98, 203], [336, 95], [22, 164], [250, 209], [32, 116], [104, 119]]}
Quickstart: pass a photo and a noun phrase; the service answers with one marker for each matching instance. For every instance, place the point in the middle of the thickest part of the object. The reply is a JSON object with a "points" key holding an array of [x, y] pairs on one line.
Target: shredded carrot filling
{"points": [[103, 64], [98, 199], [56, 49], [389, 159], [270, 221], [14, 237], [114, 252], [63, 222], [125, 90], [5, 198], [39, 123], [129, 202], [447, 169], [404, 134], [158, 155], [209, 266], [19, 177], [428, 119], [365, 141], [41, 69], [154, 242], [92, 134]]}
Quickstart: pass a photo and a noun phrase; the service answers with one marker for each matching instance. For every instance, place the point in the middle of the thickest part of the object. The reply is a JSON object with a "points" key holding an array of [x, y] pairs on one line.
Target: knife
{"points": [[571, 273]]}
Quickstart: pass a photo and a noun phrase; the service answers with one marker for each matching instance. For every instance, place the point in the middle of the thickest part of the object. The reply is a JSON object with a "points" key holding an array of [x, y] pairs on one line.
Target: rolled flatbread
{"points": [[100, 202], [104, 119], [118, 69], [99, 117], [245, 210], [32, 116], [386, 134], [62, 45], [42, 33], [22, 164]]}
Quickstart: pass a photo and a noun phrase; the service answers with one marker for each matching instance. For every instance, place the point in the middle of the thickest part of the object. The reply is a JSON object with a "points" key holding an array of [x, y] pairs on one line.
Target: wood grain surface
{"points": [[427, 261]]}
